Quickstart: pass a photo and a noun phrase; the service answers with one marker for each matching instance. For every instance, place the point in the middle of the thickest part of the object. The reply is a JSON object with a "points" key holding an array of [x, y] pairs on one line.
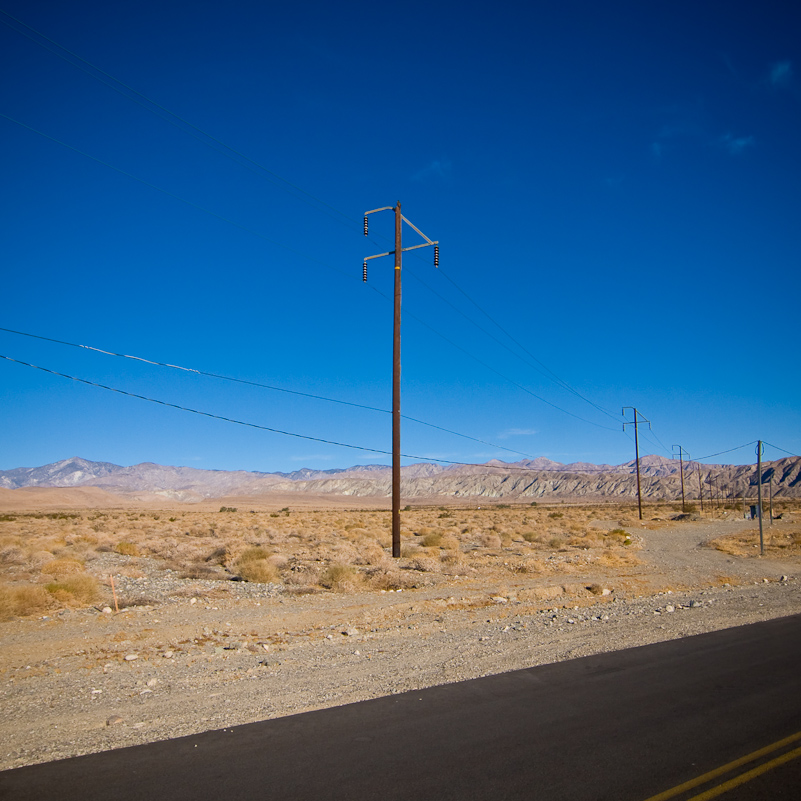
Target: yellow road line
{"points": [[713, 774], [714, 792]]}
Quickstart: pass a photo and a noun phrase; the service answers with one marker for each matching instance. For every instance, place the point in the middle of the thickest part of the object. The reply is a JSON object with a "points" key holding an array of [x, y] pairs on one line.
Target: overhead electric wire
{"points": [[230, 150], [174, 196], [506, 468], [780, 449], [730, 450], [310, 258], [553, 375], [263, 386], [214, 139]]}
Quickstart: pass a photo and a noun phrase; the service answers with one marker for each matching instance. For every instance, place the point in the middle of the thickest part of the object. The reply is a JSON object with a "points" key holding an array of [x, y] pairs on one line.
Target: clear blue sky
{"points": [[618, 185]]}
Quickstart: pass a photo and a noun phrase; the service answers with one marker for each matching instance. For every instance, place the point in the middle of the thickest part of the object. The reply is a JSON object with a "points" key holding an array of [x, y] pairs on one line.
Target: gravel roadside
{"points": [[189, 658]]}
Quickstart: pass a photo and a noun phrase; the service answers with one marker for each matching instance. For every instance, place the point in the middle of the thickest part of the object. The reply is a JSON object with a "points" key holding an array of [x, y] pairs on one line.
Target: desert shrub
{"points": [[28, 599], [253, 554], [219, 556], [62, 567], [126, 548], [79, 589], [617, 536], [432, 539], [228, 508], [490, 540], [259, 571], [12, 555], [555, 542], [340, 577], [556, 515]]}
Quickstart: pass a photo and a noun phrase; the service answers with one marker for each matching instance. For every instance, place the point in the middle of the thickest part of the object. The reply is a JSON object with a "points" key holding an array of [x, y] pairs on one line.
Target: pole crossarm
{"points": [[383, 208], [424, 245]]}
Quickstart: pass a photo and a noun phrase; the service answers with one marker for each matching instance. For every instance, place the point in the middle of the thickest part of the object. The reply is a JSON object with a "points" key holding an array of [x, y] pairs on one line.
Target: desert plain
{"points": [[124, 623]]}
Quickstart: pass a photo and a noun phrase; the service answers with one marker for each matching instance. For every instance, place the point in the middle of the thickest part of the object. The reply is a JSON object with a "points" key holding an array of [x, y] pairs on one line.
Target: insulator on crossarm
{"points": [[436, 255], [364, 272], [365, 226]]}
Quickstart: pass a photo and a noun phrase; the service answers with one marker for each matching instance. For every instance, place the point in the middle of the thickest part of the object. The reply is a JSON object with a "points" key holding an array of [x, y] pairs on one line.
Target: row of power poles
{"points": [[396, 390]]}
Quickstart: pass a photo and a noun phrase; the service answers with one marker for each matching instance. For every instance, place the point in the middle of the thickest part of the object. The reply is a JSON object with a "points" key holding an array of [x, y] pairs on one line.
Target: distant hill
{"points": [[527, 479]]}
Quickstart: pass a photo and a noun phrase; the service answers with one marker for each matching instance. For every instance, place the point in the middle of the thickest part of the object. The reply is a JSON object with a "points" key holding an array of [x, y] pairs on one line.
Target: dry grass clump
{"points": [[747, 543], [126, 548], [254, 564], [23, 600], [63, 567], [340, 550], [341, 578], [80, 589]]}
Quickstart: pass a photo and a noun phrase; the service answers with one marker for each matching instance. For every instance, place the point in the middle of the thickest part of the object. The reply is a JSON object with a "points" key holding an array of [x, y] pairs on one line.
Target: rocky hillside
{"points": [[527, 479]]}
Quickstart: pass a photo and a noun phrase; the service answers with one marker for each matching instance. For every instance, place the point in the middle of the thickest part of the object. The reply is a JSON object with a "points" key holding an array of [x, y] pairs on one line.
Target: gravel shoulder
{"points": [[190, 658]]}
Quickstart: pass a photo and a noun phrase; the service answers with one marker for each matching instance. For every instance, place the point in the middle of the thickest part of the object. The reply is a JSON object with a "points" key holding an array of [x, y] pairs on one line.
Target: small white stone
{"points": [[106, 610], [193, 600], [131, 657], [152, 682]]}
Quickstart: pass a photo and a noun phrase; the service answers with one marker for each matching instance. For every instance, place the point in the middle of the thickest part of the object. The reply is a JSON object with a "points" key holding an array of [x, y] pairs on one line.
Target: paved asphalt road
{"points": [[624, 725]]}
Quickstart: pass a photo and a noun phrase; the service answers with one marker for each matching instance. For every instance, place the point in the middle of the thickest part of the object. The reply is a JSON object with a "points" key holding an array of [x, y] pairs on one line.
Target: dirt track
{"points": [[214, 662]]}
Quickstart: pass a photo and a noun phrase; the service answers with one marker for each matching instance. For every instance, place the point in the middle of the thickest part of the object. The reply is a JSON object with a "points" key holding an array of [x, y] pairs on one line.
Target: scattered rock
{"points": [[106, 610], [167, 654], [152, 682], [670, 608], [114, 720], [131, 657]]}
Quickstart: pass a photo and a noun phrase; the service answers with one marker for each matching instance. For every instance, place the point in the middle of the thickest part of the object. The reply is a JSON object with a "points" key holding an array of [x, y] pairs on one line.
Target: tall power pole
{"points": [[759, 496], [636, 423], [681, 453], [396, 358]]}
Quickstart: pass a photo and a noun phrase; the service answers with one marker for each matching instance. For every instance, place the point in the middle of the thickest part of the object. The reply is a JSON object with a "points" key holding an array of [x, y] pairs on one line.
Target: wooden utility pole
{"points": [[396, 359], [636, 422], [681, 473], [759, 496], [700, 489]]}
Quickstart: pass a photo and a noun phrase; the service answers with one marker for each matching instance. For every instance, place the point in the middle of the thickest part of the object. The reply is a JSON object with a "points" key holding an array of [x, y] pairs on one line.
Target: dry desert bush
{"points": [[48, 559]]}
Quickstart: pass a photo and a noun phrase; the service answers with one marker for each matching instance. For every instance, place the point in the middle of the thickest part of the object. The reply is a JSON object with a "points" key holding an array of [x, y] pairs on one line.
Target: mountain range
{"points": [[533, 479]]}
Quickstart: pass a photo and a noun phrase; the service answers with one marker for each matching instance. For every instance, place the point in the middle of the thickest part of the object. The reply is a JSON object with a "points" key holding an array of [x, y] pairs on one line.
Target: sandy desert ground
{"points": [[130, 624]]}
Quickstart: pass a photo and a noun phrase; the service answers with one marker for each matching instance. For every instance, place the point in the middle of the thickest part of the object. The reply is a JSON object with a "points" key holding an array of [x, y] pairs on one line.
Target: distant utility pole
{"points": [[681, 472], [700, 489], [636, 423], [759, 496], [396, 357]]}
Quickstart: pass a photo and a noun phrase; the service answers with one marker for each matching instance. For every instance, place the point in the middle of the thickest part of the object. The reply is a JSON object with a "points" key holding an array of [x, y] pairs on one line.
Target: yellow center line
{"points": [[713, 774], [714, 792]]}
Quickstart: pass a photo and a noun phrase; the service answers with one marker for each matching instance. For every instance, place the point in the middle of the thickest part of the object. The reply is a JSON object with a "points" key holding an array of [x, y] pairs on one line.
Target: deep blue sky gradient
{"points": [[616, 184]]}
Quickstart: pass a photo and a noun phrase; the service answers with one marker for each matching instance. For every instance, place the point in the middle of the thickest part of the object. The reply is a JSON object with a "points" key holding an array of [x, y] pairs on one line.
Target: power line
{"points": [[292, 250], [174, 196], [505, 468], [781, 449], [553, 375], [153, 103], [506, 378], [720, 453], [262, 386], [228, 151]]}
